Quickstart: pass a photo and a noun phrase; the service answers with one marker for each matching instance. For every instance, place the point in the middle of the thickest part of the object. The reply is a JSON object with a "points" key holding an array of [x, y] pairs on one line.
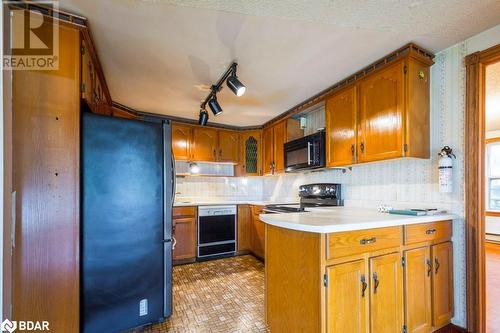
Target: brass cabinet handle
{"points": [[366, 241], [429, 267], [174, 243], [437, 265], [220, 153], [362, 147], [215, 154], [364, 285], [376, 282], [352, 149], [430, 231]]}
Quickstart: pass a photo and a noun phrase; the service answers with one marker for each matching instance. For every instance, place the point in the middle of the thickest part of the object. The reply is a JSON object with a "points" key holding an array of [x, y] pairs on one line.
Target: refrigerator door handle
{"points": [[174, 180]]}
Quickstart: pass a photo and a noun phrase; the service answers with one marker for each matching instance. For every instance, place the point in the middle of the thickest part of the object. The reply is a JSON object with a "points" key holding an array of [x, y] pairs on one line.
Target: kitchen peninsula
{"points": [[341, 269]]}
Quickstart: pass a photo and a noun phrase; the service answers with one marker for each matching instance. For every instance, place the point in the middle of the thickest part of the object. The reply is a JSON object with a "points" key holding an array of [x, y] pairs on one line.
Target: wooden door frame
{"points": [[474, 185]]}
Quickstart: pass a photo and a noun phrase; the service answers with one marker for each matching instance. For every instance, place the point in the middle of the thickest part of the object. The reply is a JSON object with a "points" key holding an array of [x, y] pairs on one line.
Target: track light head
{"points": [[215, 106], [203, 117], [235, 85]]}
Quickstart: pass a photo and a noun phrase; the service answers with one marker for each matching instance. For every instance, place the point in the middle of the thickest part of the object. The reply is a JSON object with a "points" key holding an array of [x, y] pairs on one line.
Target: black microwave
{"points": [[305, 153]]}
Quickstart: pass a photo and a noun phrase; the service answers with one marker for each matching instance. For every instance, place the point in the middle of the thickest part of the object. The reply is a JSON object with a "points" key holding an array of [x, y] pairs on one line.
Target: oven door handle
{"points": [[309, 159]]}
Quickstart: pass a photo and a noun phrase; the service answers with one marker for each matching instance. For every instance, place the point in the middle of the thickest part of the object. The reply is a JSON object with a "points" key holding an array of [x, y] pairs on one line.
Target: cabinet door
{"points": [[228, 146], [381, 115], [181, 141], [341, 128], [442, 284], [386, 299], [347, 297], [268, 148], [258, 233], [418, 272], [204, 144], [251, 155], [184, 232], [280, 138], [244, 228]]}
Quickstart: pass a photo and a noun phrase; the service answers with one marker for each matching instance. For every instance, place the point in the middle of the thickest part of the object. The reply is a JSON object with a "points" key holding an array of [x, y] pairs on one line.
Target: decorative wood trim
{"points": [[492, 213], [60, 15], [474, 185], [142, 114], [409, 49], [491, 140]]}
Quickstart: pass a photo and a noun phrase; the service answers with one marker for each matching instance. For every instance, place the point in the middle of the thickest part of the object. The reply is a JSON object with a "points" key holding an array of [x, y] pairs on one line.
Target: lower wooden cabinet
{"points": [[184, 234], [347, 300], [245, 225], [442, 283], [386, 293], [393, 279], [418, 275], [258, 233]]}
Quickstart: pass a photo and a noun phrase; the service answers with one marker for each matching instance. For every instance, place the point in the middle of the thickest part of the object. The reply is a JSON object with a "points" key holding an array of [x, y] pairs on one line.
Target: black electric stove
{"points": [[311, 195]]}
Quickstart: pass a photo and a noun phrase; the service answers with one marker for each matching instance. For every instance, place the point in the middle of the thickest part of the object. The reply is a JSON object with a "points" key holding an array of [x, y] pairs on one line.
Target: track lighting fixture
{"points": [[235, 85], [232, 82], [215, 106], [203, 118]]}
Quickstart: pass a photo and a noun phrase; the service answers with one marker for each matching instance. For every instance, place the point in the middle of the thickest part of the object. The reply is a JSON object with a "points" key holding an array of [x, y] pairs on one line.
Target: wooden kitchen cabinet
{"points": [[258, 233], [181, 141], [184, 233], [442, 283], [250, 153], [381, 104], [205, 144], [228, 146], [268, 150], [384, 115], [347, 300], [418, 275], [404, 288], [274, 138], [340, 119], [245, 226], [386, 296]]}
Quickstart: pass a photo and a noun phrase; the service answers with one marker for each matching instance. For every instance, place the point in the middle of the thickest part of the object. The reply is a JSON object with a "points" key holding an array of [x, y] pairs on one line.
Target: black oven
{"points": [[305, 153]]}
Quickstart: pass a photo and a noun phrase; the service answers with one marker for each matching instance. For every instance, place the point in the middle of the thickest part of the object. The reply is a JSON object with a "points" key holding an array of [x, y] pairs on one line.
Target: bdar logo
{"points": [[8, 326]]}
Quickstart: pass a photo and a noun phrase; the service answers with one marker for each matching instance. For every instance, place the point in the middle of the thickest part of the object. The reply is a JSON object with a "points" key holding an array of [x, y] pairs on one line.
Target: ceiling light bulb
{"points": [[235, 85], [203, 117], [215, 106]]}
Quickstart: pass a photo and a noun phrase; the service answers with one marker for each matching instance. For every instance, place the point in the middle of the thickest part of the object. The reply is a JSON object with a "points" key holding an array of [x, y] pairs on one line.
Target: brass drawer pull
{"points": [[366, 241], [430, 231]]}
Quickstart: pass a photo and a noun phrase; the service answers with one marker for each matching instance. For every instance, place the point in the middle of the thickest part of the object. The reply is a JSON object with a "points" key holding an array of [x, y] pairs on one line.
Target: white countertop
{"points": [[336, 219], [216, 202]]}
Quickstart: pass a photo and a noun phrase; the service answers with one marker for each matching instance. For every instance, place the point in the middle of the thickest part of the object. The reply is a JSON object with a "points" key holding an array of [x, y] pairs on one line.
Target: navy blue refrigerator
{"points": [[127, 195]]}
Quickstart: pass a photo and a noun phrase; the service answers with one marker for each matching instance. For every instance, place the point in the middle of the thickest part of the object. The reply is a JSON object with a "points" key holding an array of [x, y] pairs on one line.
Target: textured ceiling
{"points": [[493, 97], [160, 56]]}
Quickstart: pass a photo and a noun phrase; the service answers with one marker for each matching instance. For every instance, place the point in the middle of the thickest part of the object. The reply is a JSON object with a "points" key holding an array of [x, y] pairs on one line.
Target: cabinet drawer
{"points": [[179, 212], [343, 244], [427, 232]]}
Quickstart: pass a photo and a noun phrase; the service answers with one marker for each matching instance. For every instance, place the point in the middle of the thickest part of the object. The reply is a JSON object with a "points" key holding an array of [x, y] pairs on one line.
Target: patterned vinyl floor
{"points": [[225, 295]]}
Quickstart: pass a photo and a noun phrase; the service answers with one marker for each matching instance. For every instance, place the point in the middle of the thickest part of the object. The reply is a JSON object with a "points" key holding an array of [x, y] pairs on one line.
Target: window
{"points": [[493, 176]]}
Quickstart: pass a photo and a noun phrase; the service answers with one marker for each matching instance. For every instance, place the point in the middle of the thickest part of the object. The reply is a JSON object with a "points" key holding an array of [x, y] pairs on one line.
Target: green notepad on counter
{"points": [[408, 212]]}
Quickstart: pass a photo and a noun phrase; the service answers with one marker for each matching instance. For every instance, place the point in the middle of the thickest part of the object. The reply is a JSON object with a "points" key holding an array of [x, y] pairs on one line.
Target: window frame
{"points": [[488, 176]]}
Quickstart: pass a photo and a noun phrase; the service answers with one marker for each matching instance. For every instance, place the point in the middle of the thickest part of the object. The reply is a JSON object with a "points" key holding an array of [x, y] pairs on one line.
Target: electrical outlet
{"points": [[143, 307]]}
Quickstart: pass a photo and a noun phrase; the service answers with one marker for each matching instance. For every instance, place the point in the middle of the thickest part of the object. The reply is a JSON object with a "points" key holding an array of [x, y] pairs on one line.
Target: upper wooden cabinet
{"points": [[181, 141], [268, 150], [228, 146], [274, 138], [382, 116], [93, 89], [381, 102], [204, 145], [340, 121], [250, 153]]}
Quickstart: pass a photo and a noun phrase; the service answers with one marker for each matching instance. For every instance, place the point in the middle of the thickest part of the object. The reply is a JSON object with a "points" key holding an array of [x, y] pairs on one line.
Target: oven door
{"points": [[216, 229]]}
